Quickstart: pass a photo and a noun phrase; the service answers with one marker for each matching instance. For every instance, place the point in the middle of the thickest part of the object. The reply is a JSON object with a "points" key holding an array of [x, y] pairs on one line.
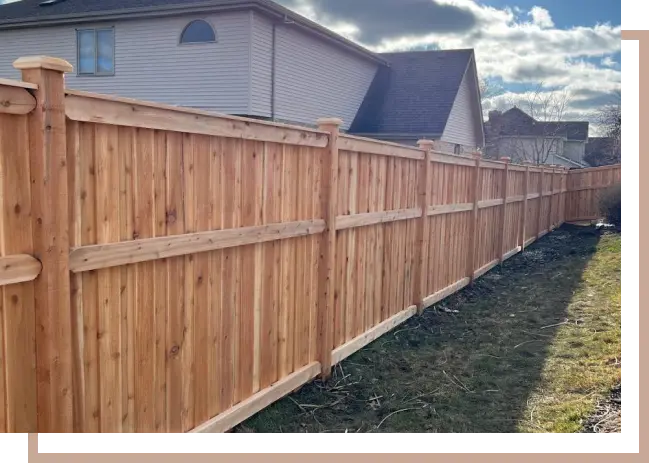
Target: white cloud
{"points": [[520, 52], [541, 17], [608, 62]]}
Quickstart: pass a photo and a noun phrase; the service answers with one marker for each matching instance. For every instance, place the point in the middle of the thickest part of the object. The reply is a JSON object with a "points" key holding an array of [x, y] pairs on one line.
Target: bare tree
{"points": [[607, 149], [544, 133]]}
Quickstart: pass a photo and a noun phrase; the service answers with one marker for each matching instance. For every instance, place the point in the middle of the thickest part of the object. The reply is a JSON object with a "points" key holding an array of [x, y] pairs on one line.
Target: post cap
{"points": [[329, 121], [505, 159], [425, 144], [43, 62]]}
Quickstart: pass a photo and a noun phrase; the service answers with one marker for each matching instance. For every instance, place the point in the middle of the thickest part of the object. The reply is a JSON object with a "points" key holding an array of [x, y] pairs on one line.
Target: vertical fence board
{"points": [[168, 344]]}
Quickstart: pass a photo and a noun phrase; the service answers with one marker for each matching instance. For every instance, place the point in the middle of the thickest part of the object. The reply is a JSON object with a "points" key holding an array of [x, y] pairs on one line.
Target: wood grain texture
{"points": [[14, 100], [219, 263], [84, 107]]}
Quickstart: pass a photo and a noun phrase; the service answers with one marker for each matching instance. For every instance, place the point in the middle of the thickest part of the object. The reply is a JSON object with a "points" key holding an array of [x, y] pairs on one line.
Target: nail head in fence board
{"points": [[129, 252], [18, 268], [49, 171], [327, 260], [421, 238], [15, 100], [105, 110], [501, 231], [262, 399]]}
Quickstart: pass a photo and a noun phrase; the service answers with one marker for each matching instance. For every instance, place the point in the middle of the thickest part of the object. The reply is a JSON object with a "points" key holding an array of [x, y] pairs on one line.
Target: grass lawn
{"points": [[532, 346]]}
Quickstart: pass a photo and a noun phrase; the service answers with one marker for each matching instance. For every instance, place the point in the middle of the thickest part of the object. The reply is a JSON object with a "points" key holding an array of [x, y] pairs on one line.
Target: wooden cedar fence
{"points": [[167, 269]]}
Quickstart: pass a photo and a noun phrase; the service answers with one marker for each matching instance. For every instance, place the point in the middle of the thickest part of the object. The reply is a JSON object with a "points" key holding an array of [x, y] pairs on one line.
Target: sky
{"points": [[567, 47], [560, 47]]}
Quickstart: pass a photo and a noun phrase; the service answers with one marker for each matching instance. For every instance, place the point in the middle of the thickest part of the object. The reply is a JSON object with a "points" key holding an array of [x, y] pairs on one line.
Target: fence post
{"points": [[526, 187], [551, 222], [477, 195], [49, 193], [538, 216], [423, 238], [327, 260], [506, 160]]}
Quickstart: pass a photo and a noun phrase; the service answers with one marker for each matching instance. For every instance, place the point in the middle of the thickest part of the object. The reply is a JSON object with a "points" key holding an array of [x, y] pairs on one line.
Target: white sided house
{"points": [[250, 58], [522, 138]]}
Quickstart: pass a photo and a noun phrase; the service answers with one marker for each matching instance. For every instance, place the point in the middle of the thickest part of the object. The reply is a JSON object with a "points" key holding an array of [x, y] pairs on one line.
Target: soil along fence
{"points": [[168, 270]]}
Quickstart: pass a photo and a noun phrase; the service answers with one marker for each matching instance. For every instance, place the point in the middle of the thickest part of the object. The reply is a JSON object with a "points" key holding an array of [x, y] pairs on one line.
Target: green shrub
{"points": [[610, 204]]}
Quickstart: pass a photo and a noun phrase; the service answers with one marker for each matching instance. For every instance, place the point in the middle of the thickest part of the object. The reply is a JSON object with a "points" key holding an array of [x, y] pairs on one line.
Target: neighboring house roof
{"points": [[414, 94], [516, 122], [598, 144], [30, 13]]}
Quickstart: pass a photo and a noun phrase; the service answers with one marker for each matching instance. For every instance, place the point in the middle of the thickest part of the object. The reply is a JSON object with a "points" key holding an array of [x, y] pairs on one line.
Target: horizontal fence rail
{"points": [[165, 269]]}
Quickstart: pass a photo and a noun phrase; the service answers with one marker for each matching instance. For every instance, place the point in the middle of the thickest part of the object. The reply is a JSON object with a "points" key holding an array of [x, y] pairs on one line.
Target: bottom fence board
{"points": [[356, 344], [262, 399]]}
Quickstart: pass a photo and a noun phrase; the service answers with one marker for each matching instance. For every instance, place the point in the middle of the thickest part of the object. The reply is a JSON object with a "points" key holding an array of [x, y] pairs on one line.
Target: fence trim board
{"points": [[445, 292], [18, 268], [370, 146], [446, 158], [449, 208], [257, 402], [515, 199], [18, 83], [485, 268], [511, 253], [344, 222], [496, 165], [487, 203], [83, 107], [101, 256], [16, 100], [342, 352]]}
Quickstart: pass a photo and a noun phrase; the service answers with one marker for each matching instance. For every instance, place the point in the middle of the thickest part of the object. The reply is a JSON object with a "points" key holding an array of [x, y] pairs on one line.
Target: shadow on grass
{"points": [[468, 364]]}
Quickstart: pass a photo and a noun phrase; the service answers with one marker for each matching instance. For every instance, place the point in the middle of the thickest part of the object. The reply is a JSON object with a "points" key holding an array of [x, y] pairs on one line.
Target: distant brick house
{"points": [[518, 135]]}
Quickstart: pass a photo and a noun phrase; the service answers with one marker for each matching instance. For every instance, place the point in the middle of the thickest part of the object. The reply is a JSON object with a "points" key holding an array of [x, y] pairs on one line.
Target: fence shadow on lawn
{"points": [[467, 371]]}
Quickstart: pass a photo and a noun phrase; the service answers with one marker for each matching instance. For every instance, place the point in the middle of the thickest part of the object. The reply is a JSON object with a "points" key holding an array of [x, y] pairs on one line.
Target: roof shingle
{"points": [[516, 122], [415, 94]]}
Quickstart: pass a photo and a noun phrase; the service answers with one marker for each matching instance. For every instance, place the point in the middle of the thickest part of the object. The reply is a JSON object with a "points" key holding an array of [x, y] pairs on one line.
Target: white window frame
{"points": [[95, 73]]}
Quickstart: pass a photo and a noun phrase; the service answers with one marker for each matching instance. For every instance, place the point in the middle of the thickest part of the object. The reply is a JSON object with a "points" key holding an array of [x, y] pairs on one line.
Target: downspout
{"points": [[272, 74]]}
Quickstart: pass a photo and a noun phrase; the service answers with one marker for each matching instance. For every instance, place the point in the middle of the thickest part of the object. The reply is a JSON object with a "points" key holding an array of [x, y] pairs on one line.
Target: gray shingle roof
{"points": [[415, 94], [25, 9], [29, 13], [515, 122]]}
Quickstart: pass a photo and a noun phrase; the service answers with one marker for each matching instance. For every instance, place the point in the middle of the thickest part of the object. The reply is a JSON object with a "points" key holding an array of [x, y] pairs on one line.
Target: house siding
{"points": [[149, 62], [262, 66], [462, 127], [315, 79], [575, 151]]}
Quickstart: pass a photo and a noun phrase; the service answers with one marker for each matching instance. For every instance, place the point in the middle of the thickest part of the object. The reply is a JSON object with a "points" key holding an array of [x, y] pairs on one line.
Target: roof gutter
{"points": [[264, 6]]}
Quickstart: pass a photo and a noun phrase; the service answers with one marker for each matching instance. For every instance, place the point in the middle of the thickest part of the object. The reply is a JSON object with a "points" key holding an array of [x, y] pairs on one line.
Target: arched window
{"points": [[198, 31]]}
